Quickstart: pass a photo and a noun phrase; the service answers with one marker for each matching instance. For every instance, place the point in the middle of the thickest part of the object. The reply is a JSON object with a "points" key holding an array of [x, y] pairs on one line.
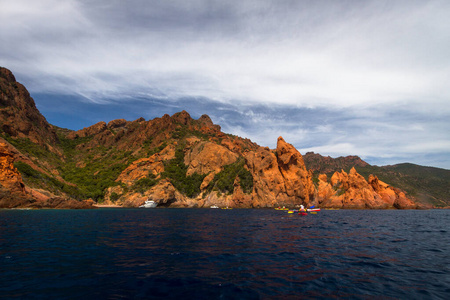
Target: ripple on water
{"points": [[211, 254]]}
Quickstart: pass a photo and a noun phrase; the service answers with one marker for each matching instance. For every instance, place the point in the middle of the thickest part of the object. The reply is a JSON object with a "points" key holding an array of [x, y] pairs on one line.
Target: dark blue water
{"points": [[224, 254]]}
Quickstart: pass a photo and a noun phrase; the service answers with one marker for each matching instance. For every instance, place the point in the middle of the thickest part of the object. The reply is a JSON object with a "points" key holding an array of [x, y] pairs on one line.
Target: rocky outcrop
{"points": [[164, 193], [205, 121], [268, 184], [19, 117], [353, 191], [281, 178], [114, 124], [393, 197], [144, 167], [88, 131], [61, 203], [10, 178], [239, 198], [167, 195], [207, 157], [297, 179]]}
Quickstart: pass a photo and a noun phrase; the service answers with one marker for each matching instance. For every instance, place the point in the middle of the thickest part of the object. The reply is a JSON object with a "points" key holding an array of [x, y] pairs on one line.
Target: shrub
{"points": [[144, 184], [224, 180], [175, 170], [114, 197]]}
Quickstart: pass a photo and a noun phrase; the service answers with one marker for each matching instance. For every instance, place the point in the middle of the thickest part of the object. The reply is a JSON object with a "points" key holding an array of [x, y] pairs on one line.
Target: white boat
{"points": [[214, 206], [149, 204]]}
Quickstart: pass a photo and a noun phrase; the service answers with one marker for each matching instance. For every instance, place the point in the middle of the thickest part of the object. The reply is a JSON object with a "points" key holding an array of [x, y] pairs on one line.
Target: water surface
{"points": [[224, 254]]}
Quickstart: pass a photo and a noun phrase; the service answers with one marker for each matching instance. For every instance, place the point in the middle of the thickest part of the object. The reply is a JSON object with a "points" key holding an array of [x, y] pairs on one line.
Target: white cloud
{"points": [[375, 64], [339, 56]]}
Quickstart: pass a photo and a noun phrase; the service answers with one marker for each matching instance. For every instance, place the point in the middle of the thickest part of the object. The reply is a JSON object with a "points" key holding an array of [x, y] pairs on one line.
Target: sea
{"points": [[169, 253]]}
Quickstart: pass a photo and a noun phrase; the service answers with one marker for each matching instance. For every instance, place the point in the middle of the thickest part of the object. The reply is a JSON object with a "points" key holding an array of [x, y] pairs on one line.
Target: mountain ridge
{"points": [[176, 160]]}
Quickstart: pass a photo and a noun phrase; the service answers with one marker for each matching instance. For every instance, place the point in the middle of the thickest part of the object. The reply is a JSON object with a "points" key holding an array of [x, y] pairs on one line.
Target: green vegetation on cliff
{"points": [[144, 184], [175, 170], [34, 178], [95, 172], [224, 180]]}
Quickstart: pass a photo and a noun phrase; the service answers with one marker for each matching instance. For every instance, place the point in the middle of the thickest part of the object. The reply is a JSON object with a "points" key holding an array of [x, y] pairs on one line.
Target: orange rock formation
{"points": [[353, 191]]}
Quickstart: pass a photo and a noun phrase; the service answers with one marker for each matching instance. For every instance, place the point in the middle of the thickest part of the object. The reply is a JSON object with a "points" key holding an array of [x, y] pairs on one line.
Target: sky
{"points": [[366, 78]]}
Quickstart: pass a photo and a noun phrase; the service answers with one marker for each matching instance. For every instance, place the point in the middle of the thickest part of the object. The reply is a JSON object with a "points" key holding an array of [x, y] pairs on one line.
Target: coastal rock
{"points": [[297, 179], [10, 178], [268, 184], [325, 193], [353, 191], [167, 195], [279, 179], [239, 198], [391, 196], [206, 157], [61, 203]]}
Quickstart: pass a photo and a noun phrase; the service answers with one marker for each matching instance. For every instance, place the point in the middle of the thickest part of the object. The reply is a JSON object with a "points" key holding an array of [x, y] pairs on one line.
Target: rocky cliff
{"points": [[10, 179], [19, 115], [175, 160], [351, 190], [14, 193]]}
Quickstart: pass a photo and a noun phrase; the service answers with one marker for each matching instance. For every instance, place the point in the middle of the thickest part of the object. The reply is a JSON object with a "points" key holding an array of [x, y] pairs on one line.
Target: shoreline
{"points": [[107, 205]]}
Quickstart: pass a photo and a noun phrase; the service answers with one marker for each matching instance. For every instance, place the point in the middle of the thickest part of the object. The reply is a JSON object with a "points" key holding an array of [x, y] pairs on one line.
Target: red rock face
{"points": [[280, 179], [268, 183], [391, 196], [141, 168], [10, 178], [297, 179], [207, 157], [18, 113], [353, 191]]}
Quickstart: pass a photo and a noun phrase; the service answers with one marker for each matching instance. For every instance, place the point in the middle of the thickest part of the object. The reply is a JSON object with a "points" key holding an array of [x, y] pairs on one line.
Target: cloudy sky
{"points": [[367, 78]]}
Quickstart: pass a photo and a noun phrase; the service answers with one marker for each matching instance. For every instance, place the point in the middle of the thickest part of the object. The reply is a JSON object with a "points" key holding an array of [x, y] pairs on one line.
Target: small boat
{"points": [[302, 211], [214, 206], [281, 208], [313, 209], [149, 204]]}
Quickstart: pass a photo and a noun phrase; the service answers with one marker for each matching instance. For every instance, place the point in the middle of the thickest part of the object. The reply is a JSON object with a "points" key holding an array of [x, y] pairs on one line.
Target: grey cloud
{"points": [[335, 76]]}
